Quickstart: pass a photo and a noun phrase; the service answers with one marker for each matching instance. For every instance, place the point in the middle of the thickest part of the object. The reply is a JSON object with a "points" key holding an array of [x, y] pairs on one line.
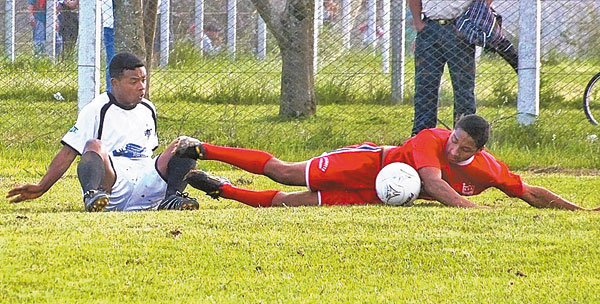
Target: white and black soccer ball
{"points": [[398, 184]]}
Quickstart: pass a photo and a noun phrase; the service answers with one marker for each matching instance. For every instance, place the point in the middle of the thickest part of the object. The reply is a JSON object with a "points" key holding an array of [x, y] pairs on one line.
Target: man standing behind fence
{"points": [[438, 43], [37, 20]]}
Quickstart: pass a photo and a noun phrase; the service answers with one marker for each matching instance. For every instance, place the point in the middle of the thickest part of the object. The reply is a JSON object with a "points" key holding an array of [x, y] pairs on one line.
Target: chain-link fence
{"points": [[216, 66]]}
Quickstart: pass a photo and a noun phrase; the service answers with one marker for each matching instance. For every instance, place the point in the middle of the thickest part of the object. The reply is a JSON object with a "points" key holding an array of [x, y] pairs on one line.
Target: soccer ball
{"points": [[398, 184]]}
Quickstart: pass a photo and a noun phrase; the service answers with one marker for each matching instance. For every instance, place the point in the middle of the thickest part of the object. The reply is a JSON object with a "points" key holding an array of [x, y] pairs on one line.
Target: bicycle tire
{"points": [[588, 98]]}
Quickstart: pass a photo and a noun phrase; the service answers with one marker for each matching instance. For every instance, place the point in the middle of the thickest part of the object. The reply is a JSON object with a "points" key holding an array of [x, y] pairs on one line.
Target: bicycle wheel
{"points": [[591, 99]]}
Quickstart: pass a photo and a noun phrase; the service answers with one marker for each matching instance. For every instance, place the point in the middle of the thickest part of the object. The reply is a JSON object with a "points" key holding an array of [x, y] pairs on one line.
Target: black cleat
{"points": [[179, 201], [189, 147], [95, 200], [205, 182]]}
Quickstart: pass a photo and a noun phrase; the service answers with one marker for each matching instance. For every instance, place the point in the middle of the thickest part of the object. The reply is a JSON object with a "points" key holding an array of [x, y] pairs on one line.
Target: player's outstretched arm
{"points": [[540, 197], [59, 165], [439, 189]]}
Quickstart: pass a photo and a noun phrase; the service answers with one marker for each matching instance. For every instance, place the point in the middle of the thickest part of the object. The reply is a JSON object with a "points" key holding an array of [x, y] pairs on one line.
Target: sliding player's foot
{"points": [[203, 181]]}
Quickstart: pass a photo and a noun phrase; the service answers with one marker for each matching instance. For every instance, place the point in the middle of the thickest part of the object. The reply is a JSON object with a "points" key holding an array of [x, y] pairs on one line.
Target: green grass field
{"points": [[53, 251]]}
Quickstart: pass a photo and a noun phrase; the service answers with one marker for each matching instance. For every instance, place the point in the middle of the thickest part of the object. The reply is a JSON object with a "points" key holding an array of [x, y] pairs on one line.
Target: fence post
{"points": [[165, 31], [9, 29], [346, 22], [385, 41], [316, 37], [231, 27], [261, 47], [199, 25], [51, 28], [319, 11], [528, 98], [371, 31], [398, 33], [88, 58]]}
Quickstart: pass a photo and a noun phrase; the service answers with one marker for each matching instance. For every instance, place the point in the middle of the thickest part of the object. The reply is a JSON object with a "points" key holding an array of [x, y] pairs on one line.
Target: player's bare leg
{"points": [[295, 199]]}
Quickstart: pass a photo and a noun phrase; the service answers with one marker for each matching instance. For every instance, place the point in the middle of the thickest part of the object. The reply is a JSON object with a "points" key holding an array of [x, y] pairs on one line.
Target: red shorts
{"points": [[346, 176]]}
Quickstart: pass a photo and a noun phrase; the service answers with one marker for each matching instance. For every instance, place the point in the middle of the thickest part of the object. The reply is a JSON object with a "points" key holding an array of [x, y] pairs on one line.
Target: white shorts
{"points": [[138, 186]]}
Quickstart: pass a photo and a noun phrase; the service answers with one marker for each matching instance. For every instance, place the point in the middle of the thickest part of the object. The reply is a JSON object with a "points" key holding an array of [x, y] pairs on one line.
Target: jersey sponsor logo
{"points": [[467, 189], [148, 132], [323, 163], [130, 151], [73, 129]]}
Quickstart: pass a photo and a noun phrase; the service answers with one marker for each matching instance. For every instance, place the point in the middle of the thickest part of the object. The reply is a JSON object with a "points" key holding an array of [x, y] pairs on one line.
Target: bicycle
{"points": [[591, 99]]}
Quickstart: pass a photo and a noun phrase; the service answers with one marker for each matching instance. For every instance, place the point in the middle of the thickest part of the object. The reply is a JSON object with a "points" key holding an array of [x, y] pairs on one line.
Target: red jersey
{"points": [[483, 170]]}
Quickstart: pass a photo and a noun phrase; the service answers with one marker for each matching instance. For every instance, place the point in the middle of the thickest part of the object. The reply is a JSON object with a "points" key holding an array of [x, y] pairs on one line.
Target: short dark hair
{"points": [[123, 61], [211, 28], [477, 127]]}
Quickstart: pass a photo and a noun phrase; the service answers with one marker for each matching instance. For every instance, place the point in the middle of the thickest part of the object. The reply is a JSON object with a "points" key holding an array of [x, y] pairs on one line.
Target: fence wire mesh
{"points": [[222, 70]]}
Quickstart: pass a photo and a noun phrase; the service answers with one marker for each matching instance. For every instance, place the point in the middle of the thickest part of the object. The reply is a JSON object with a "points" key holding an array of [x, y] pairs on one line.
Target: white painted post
{"points": [[371, 33], [88, 62], [319, 10], [261, 47], [316, 38], [528, 97], [346, 22], [9, 29], [385, 41], [199, 23], [165, 31], [231, 27], [398, 33], [51, 28]]}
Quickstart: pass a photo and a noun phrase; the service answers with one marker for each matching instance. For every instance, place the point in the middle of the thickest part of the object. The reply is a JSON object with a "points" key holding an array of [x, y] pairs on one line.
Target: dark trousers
{"points": [[436, 46]]}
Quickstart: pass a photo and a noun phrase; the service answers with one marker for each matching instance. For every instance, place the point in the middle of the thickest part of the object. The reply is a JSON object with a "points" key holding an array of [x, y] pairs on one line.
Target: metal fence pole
{"points": [[9, 29], [165, 31], [199, 25], [51, 28], [371, 31], [528, 97], [385, 41], [231, 27], [88, 62], [398, 33], [346, 22], [319, 11], [261, 47], [316, 37]]}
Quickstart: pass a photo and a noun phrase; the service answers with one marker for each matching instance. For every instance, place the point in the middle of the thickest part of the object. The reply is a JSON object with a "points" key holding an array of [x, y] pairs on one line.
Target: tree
{"points": [[135, 27], [291, 23]]}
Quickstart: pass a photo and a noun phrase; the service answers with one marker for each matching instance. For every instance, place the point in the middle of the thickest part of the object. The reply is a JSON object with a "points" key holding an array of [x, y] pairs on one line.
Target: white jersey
{"points": [[129, 133], [129, 137]]}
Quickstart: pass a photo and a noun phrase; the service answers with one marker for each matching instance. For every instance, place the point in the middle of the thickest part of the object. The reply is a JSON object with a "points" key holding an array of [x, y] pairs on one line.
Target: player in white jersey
{"points": [[115, 135]]}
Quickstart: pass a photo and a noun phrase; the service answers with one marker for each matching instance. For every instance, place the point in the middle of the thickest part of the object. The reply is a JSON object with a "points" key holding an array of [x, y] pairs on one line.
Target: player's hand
{"points": [[23, 193]]}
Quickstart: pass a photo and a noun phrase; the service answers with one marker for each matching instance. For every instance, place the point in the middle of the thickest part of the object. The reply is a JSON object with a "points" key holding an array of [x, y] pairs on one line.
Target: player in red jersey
{"points": [[451, 164]]}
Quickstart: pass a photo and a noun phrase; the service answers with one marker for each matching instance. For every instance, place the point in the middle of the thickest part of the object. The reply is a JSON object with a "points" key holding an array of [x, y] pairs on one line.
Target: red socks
{"points": [[249, 197], [252, 161]]}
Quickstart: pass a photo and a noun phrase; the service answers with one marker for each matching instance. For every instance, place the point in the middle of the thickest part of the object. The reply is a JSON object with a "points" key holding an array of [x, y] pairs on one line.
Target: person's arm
{"points": [[440, 190], [540, 197], [59, 165], [415, 10]]}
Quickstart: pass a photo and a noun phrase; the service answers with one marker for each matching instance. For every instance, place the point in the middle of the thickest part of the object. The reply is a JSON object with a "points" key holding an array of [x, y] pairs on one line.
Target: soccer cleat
{"points": [[189, 147], [95, 200], [179, 201], [205, 182]]}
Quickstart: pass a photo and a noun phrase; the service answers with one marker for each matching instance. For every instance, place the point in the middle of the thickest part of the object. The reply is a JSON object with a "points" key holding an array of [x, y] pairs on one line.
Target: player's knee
{"points": [[93, 145]]}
